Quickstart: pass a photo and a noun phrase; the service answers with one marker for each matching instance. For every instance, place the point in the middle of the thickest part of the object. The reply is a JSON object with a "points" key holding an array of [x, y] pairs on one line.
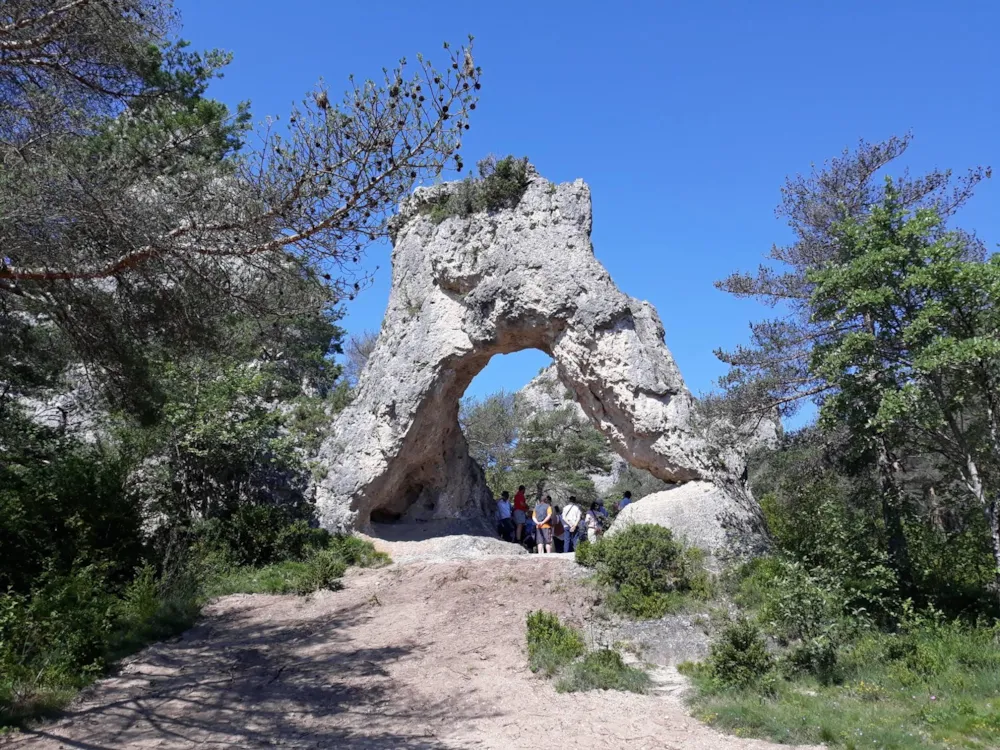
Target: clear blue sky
{"points": [[684, 118]]}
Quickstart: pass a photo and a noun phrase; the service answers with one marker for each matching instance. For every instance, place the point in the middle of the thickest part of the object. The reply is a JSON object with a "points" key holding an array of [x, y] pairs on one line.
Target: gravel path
{"points": [[428, 655]]}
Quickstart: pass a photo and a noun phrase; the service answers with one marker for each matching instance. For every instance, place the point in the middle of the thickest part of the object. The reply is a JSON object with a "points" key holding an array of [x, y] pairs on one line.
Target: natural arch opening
{"points": [[539, 436]]}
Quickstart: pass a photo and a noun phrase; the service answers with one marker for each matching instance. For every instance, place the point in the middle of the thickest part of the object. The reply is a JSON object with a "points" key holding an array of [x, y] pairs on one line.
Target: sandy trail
{"points": [[427, 655]]}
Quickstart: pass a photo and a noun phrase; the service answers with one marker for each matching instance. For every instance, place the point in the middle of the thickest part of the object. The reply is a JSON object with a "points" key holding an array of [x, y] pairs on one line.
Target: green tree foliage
{"points": [[491, 427], [914, 340], [62, 505], [138, 216], [556, 449], [779, 368], [547, 451]]}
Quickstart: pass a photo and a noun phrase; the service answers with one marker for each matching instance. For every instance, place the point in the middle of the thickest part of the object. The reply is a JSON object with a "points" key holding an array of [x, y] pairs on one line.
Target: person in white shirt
{"points": [[505, 526], [593, 523], [572, 516]]}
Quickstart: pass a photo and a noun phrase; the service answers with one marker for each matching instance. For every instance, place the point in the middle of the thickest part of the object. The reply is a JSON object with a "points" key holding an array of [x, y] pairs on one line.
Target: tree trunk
{"points": [[993, 520], [892, 516], [992, 512]]}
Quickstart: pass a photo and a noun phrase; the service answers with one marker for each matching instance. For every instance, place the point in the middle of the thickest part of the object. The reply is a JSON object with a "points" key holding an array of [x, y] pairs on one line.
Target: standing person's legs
{"points": [[519, 519], [592, 535]]}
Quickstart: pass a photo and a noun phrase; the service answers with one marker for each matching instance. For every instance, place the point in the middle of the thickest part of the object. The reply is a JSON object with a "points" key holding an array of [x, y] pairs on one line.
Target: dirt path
{"points": [[424, 655]]}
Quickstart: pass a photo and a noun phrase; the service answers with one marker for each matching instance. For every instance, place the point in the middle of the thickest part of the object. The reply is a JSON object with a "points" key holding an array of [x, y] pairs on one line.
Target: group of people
{"points": [[546, 527]]}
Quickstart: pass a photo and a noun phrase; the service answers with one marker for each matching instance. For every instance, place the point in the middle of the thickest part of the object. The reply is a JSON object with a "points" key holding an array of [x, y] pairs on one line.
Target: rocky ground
{"points": [[427, 654]]}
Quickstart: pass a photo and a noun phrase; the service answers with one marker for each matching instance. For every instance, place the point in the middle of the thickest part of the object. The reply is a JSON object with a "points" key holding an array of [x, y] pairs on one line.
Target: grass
{"points": [[935, 685], [603, 670]]}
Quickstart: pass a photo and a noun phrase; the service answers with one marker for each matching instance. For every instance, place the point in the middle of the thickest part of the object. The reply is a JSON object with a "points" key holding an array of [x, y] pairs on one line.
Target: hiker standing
{"points": [[558, 529], [572, 516], [593, 523], [626, 500], [529, 534], [542, 516], [505, 526], [520, 513]]}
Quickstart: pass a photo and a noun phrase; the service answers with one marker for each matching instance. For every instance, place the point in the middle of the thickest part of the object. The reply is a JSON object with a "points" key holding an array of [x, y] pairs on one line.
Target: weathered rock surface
{"points": [[472, 287], [724, 523]]}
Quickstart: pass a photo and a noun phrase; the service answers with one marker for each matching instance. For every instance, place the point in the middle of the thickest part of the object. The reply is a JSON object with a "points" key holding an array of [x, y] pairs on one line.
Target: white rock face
{"points": [[725, 524], [472, 287]]}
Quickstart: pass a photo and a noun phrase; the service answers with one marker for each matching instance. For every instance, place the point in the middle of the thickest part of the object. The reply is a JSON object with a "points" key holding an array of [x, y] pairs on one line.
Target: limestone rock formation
{"points": [[471, 287], [719, 522]]}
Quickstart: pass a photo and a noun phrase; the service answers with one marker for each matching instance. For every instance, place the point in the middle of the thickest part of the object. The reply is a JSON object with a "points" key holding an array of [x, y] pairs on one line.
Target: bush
{"points": [[501, 184], [358, 552], [739, 658], [551, 645], [256, 535], [70, 628], [62, 506], [649, 571], [603, 670], [584, 554], [323, 571]]}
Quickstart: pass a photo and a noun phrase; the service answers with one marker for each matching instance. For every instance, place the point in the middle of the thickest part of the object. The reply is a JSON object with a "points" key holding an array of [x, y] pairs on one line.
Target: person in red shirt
{"points": [[520, 513]]}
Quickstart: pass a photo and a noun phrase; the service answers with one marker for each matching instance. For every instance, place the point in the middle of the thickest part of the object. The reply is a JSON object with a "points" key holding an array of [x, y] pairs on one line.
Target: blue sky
{"points": [[684, 118]]}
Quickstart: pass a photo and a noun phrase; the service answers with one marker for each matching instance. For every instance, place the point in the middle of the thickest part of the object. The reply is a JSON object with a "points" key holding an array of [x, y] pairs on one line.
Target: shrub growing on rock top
{"points": [[501, 184], [648, 570]]}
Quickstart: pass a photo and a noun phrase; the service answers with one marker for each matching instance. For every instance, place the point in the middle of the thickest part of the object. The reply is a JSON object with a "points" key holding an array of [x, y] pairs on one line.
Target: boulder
{"points": [[724, 522], [468, 288]]}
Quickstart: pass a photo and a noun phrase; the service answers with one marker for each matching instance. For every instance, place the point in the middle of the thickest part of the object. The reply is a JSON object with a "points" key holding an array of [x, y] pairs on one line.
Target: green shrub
{"points": [[501, 184], [551, 645], [739, 658], [358, 552], [63, 505], [650, 573], [258, 535], [603, 670], [584, 554], [323, 571], [70, 628]]}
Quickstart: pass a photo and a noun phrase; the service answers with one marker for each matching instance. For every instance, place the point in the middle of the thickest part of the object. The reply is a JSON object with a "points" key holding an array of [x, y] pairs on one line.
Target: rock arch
{"points": [[472, 287]]}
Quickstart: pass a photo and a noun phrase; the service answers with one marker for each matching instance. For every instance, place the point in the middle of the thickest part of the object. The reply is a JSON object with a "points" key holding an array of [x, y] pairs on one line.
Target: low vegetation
{"points": [[69, 628], [647, 571], [603, 669], [932, 683], [828, 647], [501, 184], [551, 645], [558, 650]]}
